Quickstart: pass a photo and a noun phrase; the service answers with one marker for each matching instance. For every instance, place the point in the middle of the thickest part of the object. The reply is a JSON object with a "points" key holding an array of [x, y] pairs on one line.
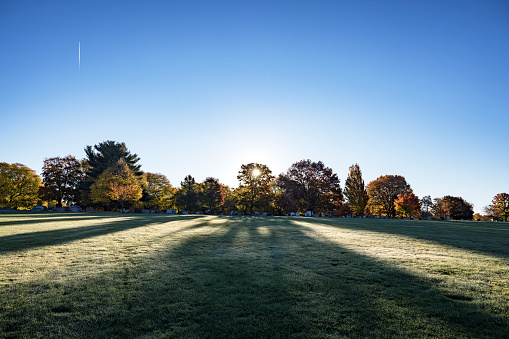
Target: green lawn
{"points": [[111, 275]]}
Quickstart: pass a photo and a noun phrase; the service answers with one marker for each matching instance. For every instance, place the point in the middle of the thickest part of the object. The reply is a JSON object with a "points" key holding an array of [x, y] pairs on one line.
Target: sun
{"points": [[256, 172]]}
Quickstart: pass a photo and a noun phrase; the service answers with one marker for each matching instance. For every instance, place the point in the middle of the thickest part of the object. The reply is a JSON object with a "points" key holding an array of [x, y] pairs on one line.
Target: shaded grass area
{"points": [[241, 277]]}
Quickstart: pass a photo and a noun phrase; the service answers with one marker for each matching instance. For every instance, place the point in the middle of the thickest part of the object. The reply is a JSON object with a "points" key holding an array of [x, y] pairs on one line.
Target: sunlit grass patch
{"points": [[213, 276]]}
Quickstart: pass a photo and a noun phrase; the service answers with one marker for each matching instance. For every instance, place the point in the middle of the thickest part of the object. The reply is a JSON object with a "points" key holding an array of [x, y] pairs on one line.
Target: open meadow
{"points": [[134, 275]]}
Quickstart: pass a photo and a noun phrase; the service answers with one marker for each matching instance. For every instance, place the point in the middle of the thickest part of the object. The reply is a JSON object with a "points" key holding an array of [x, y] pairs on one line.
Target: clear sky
{"points": [[414, 88]]}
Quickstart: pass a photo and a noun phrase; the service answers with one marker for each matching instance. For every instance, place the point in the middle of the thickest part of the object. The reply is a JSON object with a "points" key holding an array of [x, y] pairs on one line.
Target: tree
{"points": [[479, 217], [407, 204], [426, 204], [123, 192], [106, 154], [500, 205], [61, 178], [231, 199], [284, 203], [355, 191], [19, 186], [384, 190], [312, 187], [255, 187], [103, 156], [212, 195], [117, 184], [160, 192], [490, 211], [187, 195], [458, 208], [439, 208]]}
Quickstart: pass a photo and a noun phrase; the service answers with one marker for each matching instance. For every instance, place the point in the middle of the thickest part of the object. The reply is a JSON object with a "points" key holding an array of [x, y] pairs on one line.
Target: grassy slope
{"points": [[106, 275]]}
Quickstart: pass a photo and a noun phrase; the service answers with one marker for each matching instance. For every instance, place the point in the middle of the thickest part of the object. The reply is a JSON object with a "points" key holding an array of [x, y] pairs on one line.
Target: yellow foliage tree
{"points": [[116, 184], [19, 186]]}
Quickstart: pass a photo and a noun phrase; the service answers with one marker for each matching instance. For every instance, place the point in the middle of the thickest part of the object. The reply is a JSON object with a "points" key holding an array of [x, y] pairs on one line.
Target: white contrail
{"points": [[79, 55]]}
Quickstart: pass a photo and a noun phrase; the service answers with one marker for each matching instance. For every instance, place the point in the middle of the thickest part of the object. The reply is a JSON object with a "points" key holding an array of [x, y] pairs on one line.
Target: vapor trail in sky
{"points": [[79, 55]]}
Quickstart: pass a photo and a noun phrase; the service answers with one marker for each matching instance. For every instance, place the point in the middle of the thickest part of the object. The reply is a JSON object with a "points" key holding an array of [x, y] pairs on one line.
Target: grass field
{"points": [[150, 276]]}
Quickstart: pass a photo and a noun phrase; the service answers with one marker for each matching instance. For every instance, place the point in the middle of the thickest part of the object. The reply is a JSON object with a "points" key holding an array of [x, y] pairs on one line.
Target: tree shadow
{"points": [[116, 223], [254, 277], [45, 217], [480, 237], [257, 277]]}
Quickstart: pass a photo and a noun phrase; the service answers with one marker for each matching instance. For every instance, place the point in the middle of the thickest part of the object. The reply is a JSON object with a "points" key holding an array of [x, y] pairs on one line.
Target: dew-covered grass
{"points": [[158, 276]]}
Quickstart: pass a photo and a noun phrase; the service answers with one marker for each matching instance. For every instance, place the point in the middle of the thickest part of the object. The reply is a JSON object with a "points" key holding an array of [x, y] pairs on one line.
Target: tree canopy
{"points": [[384, 190], [255, 189], [306, 186], [407, 205], [160, 191], [187, 195], [61, 178], [311, 186], [212, 195], [107, 154], [426, 204], [458, 208], [19, 186], [102, 156], [355, 191], [117, 184], [500, 206]]}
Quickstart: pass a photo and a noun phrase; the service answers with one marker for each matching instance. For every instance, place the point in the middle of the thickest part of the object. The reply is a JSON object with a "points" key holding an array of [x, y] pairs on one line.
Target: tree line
{"points": [[110, 178]]}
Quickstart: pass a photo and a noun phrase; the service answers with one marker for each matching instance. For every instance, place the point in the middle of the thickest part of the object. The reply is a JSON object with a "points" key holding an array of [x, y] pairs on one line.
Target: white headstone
{"points": [[308, 214], [297, 214], [292, 214]]}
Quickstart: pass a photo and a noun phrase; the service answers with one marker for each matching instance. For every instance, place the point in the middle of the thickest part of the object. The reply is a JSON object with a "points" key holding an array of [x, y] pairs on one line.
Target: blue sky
{"points": [[414, 88]]}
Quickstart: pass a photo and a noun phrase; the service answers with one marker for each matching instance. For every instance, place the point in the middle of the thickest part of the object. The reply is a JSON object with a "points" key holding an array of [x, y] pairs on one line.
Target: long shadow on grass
{"points": [[252, 277], [36, 239], [491, 239], [20, 218]]}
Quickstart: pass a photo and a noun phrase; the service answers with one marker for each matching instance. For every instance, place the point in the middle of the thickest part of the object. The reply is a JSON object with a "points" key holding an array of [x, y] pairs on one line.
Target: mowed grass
{"points": [[159, 276]]}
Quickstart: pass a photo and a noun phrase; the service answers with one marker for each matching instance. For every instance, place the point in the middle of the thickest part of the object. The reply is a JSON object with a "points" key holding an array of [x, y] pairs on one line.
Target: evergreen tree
{"points": [[355, 191], [103, 156], [187, 195]]}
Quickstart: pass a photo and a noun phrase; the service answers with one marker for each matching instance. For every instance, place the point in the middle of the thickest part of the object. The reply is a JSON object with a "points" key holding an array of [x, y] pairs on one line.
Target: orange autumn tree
{"points": [[383, 191], [117, 184], [500, 206], [123, 192], [407, 204]]}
